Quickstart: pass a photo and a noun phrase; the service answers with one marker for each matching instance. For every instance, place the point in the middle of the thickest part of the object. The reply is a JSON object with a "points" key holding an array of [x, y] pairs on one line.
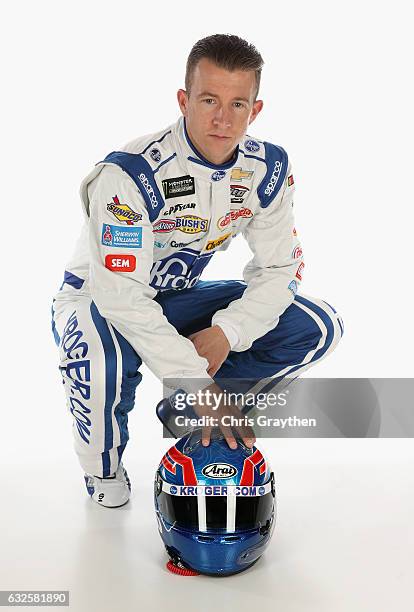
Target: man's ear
{"points": [[182, 101], [257, 107]]}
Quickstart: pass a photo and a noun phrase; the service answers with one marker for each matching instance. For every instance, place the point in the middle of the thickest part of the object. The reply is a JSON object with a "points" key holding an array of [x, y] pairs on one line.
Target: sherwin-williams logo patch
{"points": [[213, 244], [119, 236], [122, 212], [190, 224], [238, 174], [120, 263], [233, 215], [178, 187], [219, 470]]}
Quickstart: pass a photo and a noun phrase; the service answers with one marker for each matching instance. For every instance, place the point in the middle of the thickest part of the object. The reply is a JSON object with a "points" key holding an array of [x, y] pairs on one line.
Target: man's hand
{"points": [[244, 431], [212, 344]]}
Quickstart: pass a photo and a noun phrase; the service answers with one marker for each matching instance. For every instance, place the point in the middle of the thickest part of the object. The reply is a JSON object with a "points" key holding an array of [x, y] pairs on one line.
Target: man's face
{"points": [[219, 109]]}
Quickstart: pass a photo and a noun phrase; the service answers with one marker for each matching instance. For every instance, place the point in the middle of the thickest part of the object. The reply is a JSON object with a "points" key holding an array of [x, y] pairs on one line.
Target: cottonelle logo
{"points": [[219, 470]]}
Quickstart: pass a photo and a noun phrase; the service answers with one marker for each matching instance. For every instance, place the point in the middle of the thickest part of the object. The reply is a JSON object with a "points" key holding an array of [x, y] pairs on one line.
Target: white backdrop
{"points": [[80, 82], [80, 79]]}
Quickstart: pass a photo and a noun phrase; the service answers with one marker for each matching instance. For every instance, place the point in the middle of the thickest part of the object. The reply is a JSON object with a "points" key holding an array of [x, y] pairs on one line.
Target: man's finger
{"points": [[205, 435], [228, 435]]}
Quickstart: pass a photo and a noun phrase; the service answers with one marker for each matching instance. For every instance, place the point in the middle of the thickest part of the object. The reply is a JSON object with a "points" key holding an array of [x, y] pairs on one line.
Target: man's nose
{"points": [[222, 117]]}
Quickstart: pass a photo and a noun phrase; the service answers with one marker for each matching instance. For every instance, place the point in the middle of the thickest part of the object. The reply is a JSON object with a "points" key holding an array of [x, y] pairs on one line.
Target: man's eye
{"points": [[239, 104], [208, 100]]}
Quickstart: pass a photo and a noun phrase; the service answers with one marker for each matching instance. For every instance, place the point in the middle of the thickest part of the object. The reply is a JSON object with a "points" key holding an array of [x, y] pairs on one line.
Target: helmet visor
{"points": [[204, 512]]}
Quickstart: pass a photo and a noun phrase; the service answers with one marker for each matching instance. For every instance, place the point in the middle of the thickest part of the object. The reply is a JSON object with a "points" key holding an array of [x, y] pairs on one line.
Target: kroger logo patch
{"points": [[252, 145], [293, 286], [119, 236], [218, 175]]}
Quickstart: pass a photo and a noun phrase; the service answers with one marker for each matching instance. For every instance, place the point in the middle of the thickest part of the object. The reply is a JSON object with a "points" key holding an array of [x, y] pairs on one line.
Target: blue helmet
{"points": [[215, 506]]}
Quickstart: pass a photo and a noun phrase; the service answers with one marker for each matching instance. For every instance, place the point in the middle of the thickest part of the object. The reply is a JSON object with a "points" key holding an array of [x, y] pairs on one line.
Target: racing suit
{"points": [[156, 212]]}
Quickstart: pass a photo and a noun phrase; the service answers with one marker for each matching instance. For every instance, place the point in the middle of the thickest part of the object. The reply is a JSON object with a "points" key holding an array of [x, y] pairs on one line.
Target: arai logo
{"points": [[219, 470]]}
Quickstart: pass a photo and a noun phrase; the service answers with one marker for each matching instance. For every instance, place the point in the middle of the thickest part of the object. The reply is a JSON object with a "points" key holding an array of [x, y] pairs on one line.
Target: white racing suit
{"points": [[155, 213]]}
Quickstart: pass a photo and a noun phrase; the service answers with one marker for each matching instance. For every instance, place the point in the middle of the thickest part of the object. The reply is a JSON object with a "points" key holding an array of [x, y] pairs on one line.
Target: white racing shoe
{"points": [[110, 492]]}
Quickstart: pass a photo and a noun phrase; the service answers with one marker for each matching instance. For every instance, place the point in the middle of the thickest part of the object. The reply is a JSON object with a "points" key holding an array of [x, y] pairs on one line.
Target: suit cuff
{"points": [[231, 334]]}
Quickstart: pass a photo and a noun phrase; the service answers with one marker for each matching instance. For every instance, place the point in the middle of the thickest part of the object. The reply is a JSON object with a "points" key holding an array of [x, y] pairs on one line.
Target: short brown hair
{"points": [[226, 51]]}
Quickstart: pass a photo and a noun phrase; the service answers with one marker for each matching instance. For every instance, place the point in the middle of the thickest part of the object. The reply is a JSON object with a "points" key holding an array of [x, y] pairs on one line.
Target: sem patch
{"points": [[120, 236], [120, 263]]}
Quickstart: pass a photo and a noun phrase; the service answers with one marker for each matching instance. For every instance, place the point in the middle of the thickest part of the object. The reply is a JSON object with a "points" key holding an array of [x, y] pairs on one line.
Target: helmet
{"points": [[215, 506]]}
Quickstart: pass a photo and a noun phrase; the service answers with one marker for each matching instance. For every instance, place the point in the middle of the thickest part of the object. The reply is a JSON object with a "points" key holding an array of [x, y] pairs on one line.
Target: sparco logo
{"points": [[273, 179], [146, 184], [219, 470]]}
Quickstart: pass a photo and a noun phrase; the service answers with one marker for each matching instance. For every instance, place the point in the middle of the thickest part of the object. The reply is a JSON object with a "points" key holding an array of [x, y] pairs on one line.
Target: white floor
{"points": [[344, 537]]}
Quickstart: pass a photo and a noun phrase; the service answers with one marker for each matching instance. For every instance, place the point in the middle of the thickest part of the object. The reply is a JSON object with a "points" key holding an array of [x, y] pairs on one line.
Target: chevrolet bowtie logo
{"points": [[237, 174]]}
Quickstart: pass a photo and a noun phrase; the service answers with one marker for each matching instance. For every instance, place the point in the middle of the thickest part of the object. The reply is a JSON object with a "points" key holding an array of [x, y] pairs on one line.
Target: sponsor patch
{"points": [[237, 193], [213, 244], [182, 245], [218, 175], [190, 224], [120, 236], [178, 187], [155, 154], [237, 174], [270, 187], [233, 215], [297, 252], [149, 190], [251, 145], [293, 286], [290, 180], [178, 208], [160, 245], [120, 263], [299, 271], [163, 225], [122, 212]]}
